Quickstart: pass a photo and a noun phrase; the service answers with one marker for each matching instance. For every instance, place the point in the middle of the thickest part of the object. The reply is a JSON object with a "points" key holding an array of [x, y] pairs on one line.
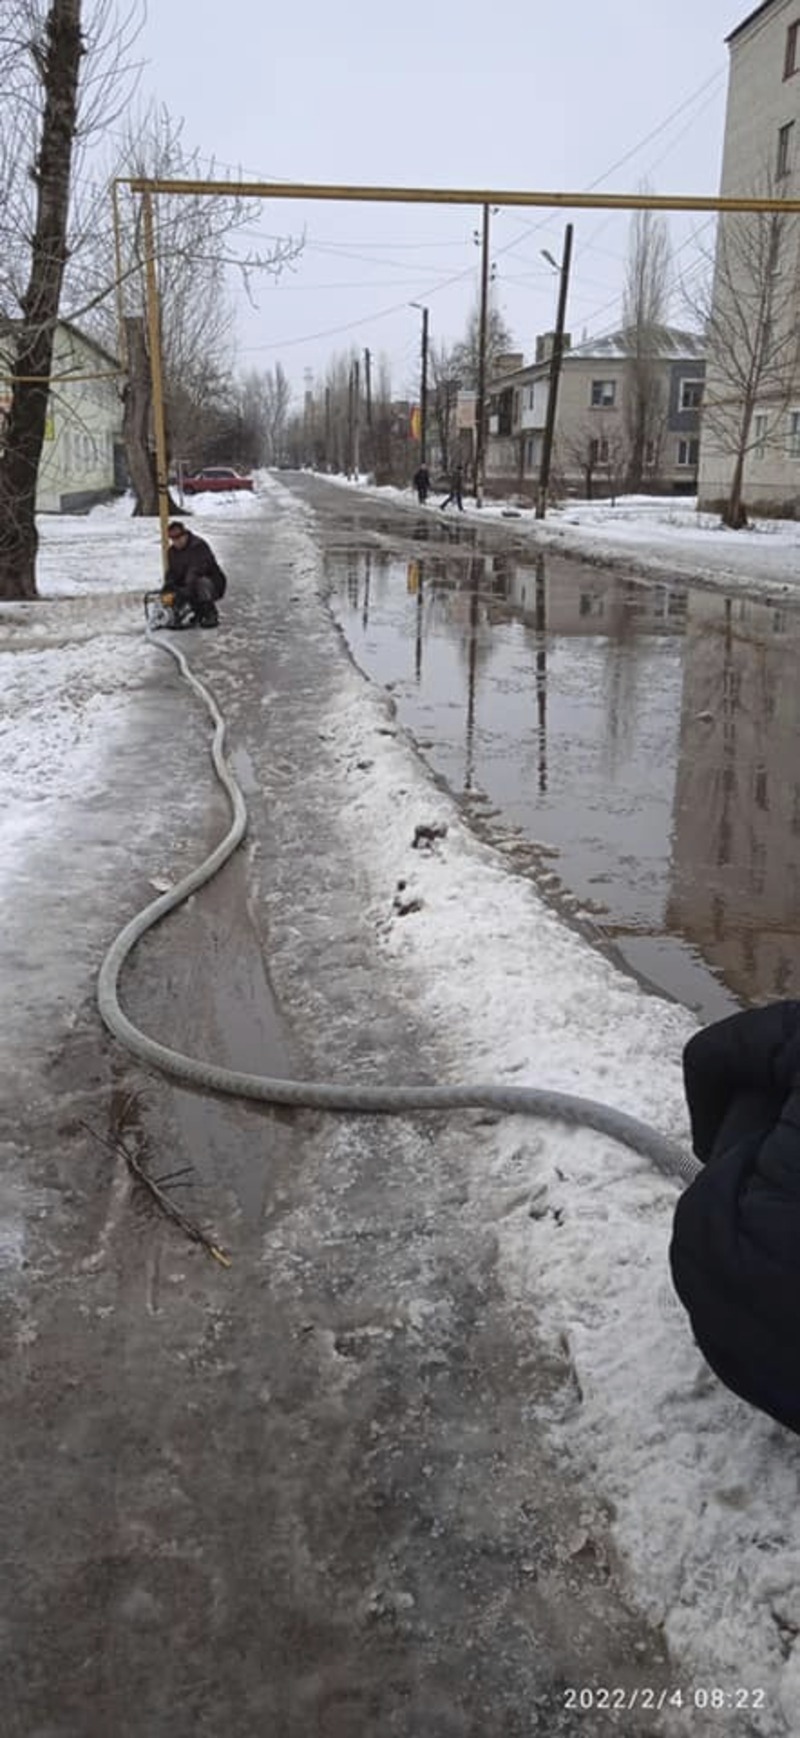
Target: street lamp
{"points": [[555, 370], [423, 385]]}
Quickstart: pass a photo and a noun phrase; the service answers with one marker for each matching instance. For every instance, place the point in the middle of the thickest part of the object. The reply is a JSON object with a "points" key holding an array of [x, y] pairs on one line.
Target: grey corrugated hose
{"points": [[388, 1100]]}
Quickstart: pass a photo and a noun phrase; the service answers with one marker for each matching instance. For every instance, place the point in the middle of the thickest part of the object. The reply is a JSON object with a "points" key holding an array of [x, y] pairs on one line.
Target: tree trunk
{"points": [[136, 419], [635, 478], [33, 352], [735, 513]]}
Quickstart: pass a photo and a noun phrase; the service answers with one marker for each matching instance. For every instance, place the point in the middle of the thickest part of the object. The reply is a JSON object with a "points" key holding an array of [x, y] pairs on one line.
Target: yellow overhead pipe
{"points": [[461, 196], [62, 379]]}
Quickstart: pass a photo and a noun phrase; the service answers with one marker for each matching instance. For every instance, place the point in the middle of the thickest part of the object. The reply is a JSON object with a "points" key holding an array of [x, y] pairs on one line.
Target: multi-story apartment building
{"points": [[591, 452], [753, 331]]}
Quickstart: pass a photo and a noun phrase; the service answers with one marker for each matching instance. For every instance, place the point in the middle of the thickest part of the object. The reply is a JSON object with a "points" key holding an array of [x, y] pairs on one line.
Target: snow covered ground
{"points": [[645, 532], [704, 1491]]}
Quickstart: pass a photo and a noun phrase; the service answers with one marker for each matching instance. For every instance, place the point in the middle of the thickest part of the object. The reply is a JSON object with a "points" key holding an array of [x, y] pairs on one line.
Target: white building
{"points": [[82, 457], [761, 157]]}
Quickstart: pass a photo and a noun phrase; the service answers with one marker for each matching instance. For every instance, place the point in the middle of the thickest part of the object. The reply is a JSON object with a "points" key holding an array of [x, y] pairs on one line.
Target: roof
{"points": [[7, 325], [673, 345], [750, 19], [92, 343]]}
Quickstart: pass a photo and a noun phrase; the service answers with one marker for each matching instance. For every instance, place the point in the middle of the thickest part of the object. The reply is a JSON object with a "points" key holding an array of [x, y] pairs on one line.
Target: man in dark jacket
{"points": [[735, 1251], [194, 577], [422, 483], [456, 488]]}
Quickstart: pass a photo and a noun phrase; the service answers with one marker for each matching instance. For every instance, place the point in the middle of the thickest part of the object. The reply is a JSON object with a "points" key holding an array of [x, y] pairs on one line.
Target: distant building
{"points": [[590, 448], [83, 456]]}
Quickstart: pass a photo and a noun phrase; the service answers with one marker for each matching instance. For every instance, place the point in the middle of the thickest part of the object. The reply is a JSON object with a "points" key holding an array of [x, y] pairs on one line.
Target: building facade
{"points": [[591, 448], [82, 457], [756, 302]]}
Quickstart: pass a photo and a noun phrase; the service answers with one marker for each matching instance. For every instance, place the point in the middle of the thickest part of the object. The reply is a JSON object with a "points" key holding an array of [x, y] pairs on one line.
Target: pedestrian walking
{"points": [[422, 483], [456, 487]]}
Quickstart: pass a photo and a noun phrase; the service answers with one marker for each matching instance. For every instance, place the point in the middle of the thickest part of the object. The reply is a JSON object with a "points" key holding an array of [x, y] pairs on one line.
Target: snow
{"points": [[659, 533], [704, 1491]]}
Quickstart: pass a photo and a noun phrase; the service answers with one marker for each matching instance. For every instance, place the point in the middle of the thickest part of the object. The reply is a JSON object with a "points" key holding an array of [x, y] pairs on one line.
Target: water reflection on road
{"points": [[644, 733]]}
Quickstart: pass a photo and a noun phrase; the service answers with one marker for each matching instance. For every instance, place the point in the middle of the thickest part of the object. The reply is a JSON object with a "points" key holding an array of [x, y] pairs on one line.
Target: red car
{"points": [[215, 477]]}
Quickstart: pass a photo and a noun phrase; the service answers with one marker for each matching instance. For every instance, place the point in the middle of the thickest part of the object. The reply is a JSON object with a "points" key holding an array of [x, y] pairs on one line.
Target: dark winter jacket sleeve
{"points": [[778, 1161], [196, 560], [756, 1052], [735, 1248]]}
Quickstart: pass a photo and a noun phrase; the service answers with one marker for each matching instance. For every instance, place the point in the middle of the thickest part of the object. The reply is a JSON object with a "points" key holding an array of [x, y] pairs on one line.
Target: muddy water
{"points": [[642, 739]]}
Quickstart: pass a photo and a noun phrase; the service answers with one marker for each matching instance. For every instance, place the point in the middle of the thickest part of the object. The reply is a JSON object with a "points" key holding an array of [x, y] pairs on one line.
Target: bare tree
{"points": [[60, 66], [645, 311], [264, 400], [466, 354], [748, 308], [277, 398], [599, 451], [446, 377]]}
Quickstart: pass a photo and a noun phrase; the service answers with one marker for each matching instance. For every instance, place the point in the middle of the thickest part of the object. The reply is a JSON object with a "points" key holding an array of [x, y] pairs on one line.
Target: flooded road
{"points": [[634, 743]]}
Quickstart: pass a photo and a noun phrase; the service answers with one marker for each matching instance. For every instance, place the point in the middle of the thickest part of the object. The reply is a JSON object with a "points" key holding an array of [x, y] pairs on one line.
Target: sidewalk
{"points": [[558, 1235]]}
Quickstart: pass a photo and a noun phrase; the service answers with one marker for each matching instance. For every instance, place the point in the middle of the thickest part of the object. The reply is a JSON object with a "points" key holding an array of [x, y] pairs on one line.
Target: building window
{"points": [[759, 435], [598, 451], [691, 395], [688, 454], [793, 443], [604, 394], [774, 258], [784, 162], [790, 62]]}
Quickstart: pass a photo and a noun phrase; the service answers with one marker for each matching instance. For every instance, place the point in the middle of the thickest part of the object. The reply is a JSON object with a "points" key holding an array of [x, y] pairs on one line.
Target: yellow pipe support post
{"points": [[122, 342], [154, 341]]}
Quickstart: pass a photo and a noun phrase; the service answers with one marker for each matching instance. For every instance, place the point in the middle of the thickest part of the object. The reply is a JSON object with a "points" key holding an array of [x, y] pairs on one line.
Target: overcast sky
{"points": [[506, 94]]}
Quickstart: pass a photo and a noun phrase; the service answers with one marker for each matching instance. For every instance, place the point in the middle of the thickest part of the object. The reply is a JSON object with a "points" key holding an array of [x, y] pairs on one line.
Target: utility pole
{"points": [[423, 392], [480, 409], [423, 385], [327, 428], [368, 397], [555, 370], [356, 417], [349, 465], [368, 386]]}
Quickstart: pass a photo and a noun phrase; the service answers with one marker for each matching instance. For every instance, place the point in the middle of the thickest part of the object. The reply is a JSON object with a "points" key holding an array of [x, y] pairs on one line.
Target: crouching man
{"points": [[735, 1251], [194, 577]]}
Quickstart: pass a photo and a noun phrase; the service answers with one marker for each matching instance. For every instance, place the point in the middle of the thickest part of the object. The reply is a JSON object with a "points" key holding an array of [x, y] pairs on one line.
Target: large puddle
{"points": [[643, 738]]}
